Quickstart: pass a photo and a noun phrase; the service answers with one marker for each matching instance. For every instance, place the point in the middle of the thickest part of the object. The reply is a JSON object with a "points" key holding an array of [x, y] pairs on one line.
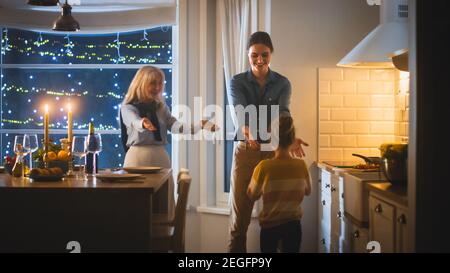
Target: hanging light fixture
{"points": [[65, 21], [43, 2]]}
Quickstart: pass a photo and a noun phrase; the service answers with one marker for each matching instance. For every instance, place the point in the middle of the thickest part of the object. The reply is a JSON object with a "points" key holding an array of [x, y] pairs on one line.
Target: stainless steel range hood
{"points": [[379, 46]]}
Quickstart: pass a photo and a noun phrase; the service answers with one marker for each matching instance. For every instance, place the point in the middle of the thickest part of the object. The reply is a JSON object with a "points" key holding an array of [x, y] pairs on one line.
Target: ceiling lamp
{"points": [[43, 2], [65, 21]]}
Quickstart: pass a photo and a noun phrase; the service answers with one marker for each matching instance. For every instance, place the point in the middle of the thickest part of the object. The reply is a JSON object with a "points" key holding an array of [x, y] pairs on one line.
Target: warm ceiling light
{"points": [[65, 21], [43, 2]]}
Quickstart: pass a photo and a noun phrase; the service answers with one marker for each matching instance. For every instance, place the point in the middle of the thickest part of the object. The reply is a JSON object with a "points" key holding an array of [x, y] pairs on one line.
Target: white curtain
{"points": [[235, 18]]}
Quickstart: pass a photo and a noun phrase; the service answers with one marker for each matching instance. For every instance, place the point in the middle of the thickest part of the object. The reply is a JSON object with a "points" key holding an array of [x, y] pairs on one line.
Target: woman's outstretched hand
{"points": [[207, 125], [147, 124], [297, 148]]}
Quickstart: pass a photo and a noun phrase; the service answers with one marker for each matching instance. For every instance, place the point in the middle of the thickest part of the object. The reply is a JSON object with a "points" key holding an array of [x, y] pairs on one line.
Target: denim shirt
{"points": [[245, 91]]}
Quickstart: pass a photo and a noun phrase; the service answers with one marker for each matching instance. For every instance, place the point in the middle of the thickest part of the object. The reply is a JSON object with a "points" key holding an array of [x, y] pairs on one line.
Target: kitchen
{"points": [[310, 37]]}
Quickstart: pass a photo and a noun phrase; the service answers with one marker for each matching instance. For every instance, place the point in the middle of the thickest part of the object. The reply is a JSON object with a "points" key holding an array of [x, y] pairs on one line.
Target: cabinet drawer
{"points": [[382, 208]]}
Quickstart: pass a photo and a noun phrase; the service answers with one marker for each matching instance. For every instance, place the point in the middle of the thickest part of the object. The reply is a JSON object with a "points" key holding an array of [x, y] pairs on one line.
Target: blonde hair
{"points": [[138, 89]]}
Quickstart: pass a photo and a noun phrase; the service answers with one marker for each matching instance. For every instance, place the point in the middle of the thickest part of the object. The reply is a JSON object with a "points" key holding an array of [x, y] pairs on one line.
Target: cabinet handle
{"points": [[378, 208], [333, 189], [327, 185], [342, 195], [401, 219], [356, 234], [339, 214], [323, 202], [322, 241], [320, 180]]}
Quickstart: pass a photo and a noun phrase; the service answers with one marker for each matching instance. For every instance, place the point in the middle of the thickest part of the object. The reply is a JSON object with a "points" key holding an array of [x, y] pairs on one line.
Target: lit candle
{"points": [[46, 136], [69, 123]]}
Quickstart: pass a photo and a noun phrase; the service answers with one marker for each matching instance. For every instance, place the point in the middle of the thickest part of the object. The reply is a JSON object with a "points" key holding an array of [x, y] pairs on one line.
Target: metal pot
{"points": [[395, 170]]}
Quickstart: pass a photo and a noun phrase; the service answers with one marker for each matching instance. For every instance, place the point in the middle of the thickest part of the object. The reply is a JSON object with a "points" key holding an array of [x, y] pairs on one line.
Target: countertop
{"points": [[398, 194]]}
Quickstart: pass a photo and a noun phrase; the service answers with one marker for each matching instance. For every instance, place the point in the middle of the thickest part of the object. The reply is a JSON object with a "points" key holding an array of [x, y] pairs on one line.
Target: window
{"points": [[92, 72]]}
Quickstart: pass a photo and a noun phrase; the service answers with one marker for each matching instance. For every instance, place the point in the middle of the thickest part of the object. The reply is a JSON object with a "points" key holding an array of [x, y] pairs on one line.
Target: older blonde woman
{"points": [[145, 120]]}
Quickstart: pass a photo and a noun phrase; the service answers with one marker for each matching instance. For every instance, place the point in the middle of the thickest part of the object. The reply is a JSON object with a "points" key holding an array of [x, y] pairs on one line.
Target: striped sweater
{"points": [[282, 183]]}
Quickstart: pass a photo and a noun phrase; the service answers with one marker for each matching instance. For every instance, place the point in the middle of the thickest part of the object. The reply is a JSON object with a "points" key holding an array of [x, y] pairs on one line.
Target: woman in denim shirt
{"points": [[259, 86]]}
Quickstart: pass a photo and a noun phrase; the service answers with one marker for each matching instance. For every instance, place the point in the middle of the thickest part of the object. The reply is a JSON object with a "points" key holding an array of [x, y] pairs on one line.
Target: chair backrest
{"points": [[184, 182]]}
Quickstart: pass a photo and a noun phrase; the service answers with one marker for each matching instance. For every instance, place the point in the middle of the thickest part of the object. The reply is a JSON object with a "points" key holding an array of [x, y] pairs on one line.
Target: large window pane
{"points": [[151, 46], [95, 95]]}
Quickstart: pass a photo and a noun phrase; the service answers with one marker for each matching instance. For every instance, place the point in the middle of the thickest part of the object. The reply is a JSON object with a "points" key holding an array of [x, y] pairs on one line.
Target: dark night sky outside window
{"points": [[93, 72]]}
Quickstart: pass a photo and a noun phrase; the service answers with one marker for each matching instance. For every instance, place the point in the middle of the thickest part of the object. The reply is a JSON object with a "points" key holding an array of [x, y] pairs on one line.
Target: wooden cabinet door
{"points": [[401, 240], [382, 224], [360, 240]]}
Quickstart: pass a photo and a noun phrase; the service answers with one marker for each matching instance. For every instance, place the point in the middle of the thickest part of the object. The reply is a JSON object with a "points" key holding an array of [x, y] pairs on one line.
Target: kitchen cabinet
{"points": [[331, 211], [355, 238], [387, 223], [324, 211]]}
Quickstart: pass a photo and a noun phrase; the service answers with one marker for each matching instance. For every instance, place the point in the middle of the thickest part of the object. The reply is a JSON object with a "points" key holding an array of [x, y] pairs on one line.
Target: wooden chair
{"points": [[168, 234]]}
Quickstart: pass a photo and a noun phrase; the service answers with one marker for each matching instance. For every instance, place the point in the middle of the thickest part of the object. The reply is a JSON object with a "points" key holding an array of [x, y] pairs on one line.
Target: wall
{"points": [[309, 34], [357, 112]]}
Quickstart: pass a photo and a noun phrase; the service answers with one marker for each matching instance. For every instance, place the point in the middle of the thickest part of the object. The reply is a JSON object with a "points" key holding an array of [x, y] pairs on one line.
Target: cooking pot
{"points": [[395, 162]]}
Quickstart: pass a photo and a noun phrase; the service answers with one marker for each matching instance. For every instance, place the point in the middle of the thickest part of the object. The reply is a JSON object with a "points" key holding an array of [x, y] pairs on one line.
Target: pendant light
{"points": [[65, 21], [43, 2]]}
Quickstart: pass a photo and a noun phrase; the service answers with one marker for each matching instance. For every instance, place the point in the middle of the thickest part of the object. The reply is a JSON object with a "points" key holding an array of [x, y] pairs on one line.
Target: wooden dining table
{"points": [[80, 215]]}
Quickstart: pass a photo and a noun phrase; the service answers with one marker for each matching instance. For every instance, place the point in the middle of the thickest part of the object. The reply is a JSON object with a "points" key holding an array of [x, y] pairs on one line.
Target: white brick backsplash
{"points": [[375, 152], [349, 151], [405, 115], [359, 110], [343, 114], [331, 74], [383, 101], [356, 74], [403, 86], [369, 114], [330, 100], [382, 75], [367, 141], [403, 75], [351, 127], [324, 87], [324, 141], [389, 114], [343, 141], [389, 88], [382, 128], [324, 114], [333, 154], [342, 87], [357, 101], [371, 87], [330, 127]]}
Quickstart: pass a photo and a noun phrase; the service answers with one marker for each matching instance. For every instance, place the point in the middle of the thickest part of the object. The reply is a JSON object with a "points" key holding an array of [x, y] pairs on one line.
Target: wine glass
{"points": [[94, 146], [79, 149], [20, 151], [30, 143]]}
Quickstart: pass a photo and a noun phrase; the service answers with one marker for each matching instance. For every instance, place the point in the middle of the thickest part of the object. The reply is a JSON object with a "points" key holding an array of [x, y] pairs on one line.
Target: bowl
{"points": [[395, 170], [64, 165]]}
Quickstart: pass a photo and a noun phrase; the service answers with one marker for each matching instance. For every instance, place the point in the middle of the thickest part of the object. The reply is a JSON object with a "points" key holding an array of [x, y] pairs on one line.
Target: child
{"points": [[282, 182]]}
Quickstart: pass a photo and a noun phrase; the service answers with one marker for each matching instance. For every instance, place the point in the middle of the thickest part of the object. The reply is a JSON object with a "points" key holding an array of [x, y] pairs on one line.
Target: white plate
{"points": [[142, 169], [113, 177]]}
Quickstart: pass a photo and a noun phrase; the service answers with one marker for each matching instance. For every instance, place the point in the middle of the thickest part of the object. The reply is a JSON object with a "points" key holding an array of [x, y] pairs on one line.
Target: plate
{"points": [[117, 177], [47, 178], [142, 169]]}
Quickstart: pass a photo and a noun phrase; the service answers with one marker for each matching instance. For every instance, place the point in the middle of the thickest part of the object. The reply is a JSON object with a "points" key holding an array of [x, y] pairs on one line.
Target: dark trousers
{"points": [[290, 235]]}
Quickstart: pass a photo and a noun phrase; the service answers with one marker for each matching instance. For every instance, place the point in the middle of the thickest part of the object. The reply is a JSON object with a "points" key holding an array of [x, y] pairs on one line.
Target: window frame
{"points": [[172, 66]]}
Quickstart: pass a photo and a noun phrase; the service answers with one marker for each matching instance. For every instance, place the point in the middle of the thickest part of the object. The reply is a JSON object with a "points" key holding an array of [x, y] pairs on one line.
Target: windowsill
{"points": [[214, 210], [220, 211]]}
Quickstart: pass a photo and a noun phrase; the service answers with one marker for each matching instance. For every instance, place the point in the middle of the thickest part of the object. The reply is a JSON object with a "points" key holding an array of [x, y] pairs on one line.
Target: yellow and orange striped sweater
{"points": [[282, 183]]}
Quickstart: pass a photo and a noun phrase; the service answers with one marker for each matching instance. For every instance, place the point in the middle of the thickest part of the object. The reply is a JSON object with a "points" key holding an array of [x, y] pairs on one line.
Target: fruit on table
{"points": [[48, 171], [63, 155], [50, 156]]}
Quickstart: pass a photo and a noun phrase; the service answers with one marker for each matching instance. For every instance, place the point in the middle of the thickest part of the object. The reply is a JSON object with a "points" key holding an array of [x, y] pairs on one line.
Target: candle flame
{"points": [[46, 108], [69, 106]]}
